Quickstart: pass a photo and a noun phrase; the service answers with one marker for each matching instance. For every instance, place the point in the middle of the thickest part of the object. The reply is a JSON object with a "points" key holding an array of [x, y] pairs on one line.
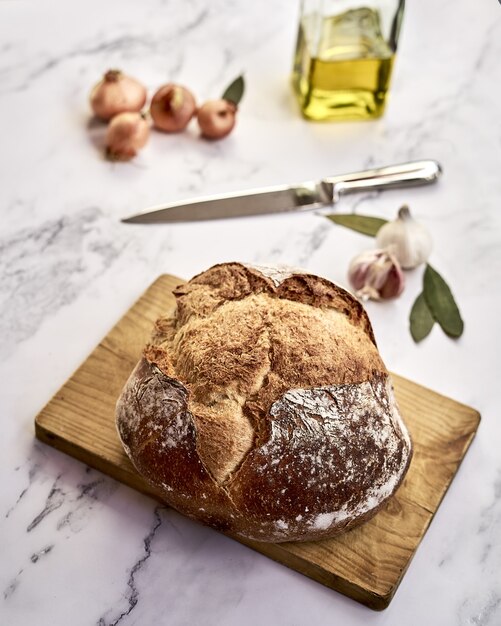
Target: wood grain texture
{"points": [[367, 563]]}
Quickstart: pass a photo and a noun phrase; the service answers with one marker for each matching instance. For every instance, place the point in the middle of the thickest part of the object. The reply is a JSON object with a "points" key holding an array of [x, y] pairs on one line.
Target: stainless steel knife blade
{"points": [[285, 198]]}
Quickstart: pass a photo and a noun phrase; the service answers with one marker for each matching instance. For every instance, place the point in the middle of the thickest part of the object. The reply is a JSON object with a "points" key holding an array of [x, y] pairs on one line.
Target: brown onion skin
{"points": [[216, 118], [126, 134], [117, 93], [172, 107]]}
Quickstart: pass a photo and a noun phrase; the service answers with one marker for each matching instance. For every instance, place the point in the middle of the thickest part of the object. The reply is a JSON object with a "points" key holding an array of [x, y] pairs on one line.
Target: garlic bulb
{"points": [[407, 239], [376, 274]]}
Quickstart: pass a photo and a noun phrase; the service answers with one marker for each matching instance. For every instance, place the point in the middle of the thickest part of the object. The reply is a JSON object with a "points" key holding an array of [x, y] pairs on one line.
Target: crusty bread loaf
{"points": [[262, 407]]}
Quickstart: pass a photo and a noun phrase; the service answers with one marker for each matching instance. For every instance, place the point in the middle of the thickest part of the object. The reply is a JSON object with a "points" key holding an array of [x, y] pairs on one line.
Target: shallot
{"points": [[117, 93], [216, 118], [126, 134], [172, 107]]}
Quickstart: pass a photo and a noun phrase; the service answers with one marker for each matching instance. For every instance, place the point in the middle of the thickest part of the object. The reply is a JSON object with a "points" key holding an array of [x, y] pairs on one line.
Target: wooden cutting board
{"points": [[367, 563]]}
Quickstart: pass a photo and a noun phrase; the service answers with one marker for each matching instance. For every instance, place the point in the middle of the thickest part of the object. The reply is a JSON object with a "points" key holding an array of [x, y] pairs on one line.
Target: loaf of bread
{"points": [[262, 408]]}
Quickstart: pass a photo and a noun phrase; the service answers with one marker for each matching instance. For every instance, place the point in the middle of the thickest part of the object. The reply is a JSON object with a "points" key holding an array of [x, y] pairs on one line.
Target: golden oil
{"points": [[342, 66]]}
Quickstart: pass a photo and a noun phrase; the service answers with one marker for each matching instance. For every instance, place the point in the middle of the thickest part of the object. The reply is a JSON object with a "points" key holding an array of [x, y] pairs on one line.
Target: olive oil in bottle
{"points": [[342, 66]]}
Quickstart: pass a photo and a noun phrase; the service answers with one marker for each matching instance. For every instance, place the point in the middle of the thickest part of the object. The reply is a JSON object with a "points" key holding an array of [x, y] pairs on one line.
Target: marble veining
{"points": [[132, 593], [75, 249], [76, 546]]}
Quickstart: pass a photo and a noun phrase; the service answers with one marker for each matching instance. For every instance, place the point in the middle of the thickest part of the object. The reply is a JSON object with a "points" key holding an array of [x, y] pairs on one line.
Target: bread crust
{"points": [[262, 407]]}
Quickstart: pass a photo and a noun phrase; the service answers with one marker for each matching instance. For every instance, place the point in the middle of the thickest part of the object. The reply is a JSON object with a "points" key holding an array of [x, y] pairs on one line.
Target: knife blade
{"points": [[287, 198]]}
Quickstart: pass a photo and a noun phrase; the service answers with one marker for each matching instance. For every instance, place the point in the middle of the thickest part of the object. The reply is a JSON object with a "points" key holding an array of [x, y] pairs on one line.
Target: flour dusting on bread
{"points": [[262, 406], [277, 273]]}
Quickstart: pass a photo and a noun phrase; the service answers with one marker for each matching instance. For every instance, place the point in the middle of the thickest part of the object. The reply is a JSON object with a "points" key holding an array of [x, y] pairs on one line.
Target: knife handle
{"points": [[391, 177]]}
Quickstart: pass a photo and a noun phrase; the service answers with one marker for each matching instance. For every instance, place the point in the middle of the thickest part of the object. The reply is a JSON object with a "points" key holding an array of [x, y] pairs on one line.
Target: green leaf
{"points": [[235, 91], [365, 224], [421, 319], [441, 303]]}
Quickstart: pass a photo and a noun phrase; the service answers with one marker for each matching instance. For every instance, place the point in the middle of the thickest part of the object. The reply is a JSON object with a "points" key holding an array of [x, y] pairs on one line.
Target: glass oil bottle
{"points": [[344, 57]]}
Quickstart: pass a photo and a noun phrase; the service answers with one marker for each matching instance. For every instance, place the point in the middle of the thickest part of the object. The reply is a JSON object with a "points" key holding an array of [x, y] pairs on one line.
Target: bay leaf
{"points": [[441, 303], [365, 224], [235, 91], [421, 320]]}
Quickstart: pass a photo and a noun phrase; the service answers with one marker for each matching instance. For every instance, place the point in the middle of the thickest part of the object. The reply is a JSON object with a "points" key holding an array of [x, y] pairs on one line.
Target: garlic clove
{"points": [[407, 239], [376, 275]]}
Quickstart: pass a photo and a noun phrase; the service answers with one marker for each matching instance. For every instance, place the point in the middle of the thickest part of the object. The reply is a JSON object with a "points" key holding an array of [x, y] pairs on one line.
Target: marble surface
{"points": [[76, 546]]}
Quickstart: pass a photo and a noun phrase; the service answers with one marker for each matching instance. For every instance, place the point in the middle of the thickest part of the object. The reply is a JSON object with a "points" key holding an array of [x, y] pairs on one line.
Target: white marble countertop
{"points": [[78, 548]]}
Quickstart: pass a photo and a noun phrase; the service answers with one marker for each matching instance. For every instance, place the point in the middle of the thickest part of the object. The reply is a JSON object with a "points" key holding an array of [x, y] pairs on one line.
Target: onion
{"points": [[216, 118], [172, 107], [117, 93], [126, 134]]}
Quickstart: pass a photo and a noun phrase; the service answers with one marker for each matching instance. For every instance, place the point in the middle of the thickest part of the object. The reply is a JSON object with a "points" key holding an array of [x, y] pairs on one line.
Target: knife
{"points": [[284, 198]]}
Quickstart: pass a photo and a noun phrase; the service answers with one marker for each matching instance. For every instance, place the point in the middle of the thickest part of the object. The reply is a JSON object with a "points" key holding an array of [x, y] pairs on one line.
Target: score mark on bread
{"points": [[262, 406]]}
